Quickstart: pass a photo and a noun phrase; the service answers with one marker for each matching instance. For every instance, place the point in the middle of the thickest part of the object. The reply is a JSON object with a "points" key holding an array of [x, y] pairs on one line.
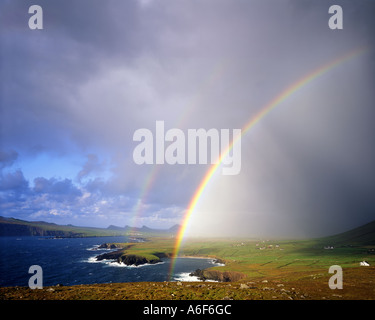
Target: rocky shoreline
{"points": [[129, 259], [109, 246], [216, 275], [120, 256]]}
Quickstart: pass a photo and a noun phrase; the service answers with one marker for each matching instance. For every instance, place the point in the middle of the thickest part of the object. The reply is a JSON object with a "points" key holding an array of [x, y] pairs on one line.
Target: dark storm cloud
{"points": [[13, 182], [92, 165], [7, 158], [41, 71], [52, 186]]}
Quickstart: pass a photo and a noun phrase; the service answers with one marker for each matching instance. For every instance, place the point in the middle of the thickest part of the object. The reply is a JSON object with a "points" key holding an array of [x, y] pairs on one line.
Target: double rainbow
{"points": [[250, 124], [215, 75]]}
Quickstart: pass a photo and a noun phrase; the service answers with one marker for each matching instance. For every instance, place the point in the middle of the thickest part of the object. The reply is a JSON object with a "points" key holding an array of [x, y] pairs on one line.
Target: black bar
{"points": [[165, 309]]}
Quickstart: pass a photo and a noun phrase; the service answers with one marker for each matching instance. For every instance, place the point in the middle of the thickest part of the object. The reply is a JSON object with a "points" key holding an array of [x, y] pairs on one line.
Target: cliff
{"points": [[109, 246], [17, 227], [221, 276], [129, 258]]}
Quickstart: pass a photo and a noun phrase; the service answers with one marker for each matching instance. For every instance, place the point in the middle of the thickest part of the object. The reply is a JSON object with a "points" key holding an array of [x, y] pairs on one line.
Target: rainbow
{"points": [[213, 77], [147, 186], [250, 124]]}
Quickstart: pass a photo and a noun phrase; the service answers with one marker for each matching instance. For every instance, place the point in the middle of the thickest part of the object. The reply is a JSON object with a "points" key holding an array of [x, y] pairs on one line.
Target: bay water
{"points": [[71, 261]]}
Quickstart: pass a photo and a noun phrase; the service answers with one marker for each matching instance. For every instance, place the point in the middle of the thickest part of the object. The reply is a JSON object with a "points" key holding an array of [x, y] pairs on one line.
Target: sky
{"points": [[73, 93]]}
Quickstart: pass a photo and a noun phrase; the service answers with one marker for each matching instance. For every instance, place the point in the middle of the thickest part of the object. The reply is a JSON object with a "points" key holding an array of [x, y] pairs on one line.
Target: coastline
{"points": [[220, 262], [196, 257], [123, 258], [301, 286]]}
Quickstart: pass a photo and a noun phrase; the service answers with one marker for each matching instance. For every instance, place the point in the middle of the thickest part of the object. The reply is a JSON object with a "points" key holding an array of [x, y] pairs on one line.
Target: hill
{"points": [[146, 230], [363, 235], [269, 269], [17, 227]]}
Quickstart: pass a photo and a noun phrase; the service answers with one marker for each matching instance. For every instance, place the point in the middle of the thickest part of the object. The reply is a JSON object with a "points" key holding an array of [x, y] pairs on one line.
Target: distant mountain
{"points": [[144, 229], [175, 228], [17, 227], [363, 235], [116, 228]]}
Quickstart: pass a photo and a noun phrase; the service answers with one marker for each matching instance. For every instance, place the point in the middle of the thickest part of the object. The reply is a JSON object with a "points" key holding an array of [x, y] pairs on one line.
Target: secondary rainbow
{"points": [[216, 74], [250, 124]]}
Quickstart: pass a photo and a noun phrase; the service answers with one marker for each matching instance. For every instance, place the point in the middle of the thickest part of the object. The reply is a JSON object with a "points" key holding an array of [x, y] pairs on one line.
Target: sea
{"points": [[71, 261]]}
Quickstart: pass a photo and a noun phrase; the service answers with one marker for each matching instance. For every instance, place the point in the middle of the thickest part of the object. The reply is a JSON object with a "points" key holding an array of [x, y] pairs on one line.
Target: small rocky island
{"points": [[126, 254], [216, 275], [123, 256], [109, 246]]}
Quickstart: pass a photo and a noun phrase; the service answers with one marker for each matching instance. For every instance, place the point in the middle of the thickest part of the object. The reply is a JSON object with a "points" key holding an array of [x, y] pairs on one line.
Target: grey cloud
{"points": [[14, 182], [7, 158], [64, 188], [92, 165], [100, 70]]}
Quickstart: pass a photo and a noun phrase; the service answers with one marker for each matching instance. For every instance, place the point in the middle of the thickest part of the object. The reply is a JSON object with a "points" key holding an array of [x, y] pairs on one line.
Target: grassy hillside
{"points": [[295, 270], [258, 258], [363, 235], [358, 285], [288, 269]]}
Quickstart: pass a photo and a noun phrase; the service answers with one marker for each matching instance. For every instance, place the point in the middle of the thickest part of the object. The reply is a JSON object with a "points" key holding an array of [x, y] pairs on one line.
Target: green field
{"points": [[260, 258], [257, 258], [254, 269], [284, 270]]}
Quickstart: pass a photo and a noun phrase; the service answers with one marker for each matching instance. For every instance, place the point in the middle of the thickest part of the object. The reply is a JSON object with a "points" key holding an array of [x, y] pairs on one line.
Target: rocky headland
{"points": [[110, 246], [130, 259], [216, 275]]}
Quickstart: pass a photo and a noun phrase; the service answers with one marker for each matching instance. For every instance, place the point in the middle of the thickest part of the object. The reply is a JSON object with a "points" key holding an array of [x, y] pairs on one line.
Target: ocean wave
{"points": [[217, 264], [106, 262], [113, 263], [96, 248], [186, 277], [145, 265], [91, 260]]}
